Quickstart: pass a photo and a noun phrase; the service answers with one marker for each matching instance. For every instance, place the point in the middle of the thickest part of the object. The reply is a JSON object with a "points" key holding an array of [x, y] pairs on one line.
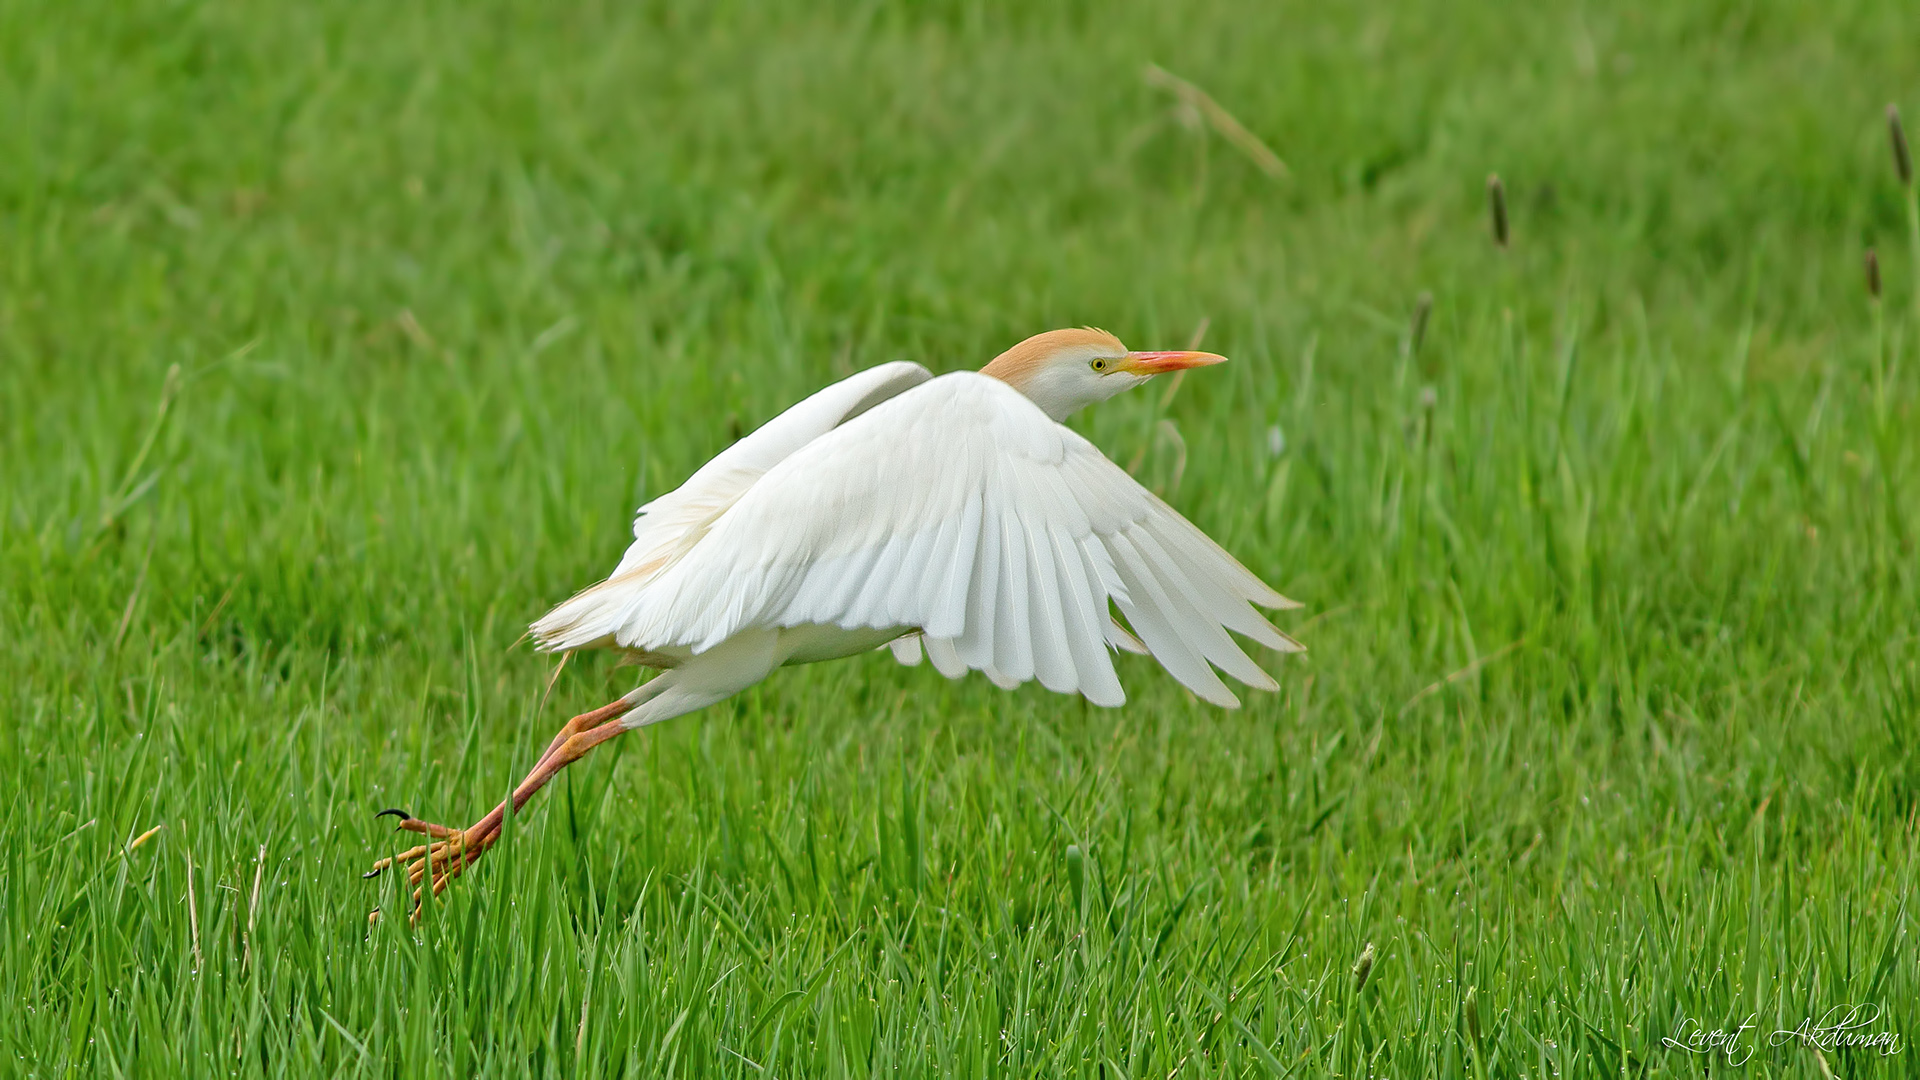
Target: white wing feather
{"points": [[668, 527], [959, 509]]}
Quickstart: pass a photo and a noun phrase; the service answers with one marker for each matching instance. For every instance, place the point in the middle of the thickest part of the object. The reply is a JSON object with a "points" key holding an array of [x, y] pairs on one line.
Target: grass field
{"points": [[338, 341]]}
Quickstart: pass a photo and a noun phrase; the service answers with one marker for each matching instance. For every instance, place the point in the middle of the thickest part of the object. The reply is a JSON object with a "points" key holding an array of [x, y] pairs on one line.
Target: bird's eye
{"points": [[1100, 365]]}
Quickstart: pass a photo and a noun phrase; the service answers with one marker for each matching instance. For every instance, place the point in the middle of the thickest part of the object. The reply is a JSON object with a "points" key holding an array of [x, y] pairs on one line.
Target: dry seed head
{"points": [[1873, 274], [1497, 201], [1362, 968], [1902, 157]]}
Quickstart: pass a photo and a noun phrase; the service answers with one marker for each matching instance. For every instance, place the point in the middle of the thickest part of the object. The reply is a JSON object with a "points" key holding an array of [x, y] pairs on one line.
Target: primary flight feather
{"points": [[954, 516]]}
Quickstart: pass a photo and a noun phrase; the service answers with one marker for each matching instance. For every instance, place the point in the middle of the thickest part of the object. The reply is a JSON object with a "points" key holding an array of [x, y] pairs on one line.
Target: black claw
{"points": [[401, 814], [372, 873]]}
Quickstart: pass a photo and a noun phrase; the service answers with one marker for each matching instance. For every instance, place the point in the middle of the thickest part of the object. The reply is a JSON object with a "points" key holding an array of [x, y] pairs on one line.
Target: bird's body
{"points": [[951, 507], [954, 516]]}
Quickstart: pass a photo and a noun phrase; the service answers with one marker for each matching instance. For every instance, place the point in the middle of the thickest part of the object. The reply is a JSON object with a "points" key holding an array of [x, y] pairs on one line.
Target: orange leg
{"points": [[453, 850]]}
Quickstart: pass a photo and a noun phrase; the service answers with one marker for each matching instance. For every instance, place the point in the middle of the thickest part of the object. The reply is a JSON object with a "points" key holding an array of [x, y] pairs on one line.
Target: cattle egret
{"points": [[955, 517]]}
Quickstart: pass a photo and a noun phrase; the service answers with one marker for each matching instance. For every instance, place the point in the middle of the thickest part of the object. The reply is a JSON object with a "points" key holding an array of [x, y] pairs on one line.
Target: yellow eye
{"points": [[1100, 365]]}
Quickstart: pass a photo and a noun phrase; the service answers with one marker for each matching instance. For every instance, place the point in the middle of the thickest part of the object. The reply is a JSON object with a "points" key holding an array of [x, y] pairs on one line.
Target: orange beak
{"points": [[1159, 363]]}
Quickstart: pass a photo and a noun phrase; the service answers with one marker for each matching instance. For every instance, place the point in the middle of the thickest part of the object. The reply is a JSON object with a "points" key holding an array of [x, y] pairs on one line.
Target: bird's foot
{"points": [[434, 864]]}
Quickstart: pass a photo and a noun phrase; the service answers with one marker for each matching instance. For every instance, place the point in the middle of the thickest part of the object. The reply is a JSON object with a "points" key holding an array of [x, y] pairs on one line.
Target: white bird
{"points": [[955, 516]]}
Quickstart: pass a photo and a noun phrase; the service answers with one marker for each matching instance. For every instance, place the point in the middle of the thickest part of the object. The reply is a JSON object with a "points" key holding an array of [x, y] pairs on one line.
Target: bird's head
{"points": [[1063, 371]]}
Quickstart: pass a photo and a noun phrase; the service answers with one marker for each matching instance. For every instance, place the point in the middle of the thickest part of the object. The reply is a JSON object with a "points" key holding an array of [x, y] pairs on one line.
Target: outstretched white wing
{"points": [[668, 527], [959, 509]]}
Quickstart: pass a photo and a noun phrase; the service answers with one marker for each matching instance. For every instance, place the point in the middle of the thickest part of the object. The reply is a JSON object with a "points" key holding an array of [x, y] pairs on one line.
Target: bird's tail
{"points": [[590, 619]]}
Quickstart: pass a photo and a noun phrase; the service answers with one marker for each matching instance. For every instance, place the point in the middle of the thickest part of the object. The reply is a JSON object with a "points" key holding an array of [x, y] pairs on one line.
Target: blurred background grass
{"points": [[338, 342]]}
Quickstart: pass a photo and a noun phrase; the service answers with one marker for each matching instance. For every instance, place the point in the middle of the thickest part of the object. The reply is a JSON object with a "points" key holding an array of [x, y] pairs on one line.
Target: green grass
{"points": [[338, 341]]}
